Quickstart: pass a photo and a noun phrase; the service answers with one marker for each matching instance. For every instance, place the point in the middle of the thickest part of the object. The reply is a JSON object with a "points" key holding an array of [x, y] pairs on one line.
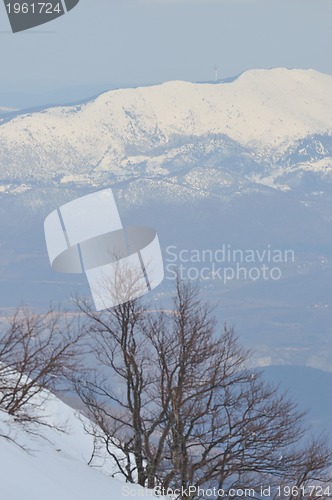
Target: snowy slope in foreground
{"points": [[55, 466]]}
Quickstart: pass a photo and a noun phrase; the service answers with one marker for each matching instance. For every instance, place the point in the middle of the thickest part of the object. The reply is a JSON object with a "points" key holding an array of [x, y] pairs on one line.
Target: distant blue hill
{"points": [[310, 388]]}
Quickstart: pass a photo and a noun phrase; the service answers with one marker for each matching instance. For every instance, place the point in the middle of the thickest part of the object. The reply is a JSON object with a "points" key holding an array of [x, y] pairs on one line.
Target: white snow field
{"points": [[53, 464]]}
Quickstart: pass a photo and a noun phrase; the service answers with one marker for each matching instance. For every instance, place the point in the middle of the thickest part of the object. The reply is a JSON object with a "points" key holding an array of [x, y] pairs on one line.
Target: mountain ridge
{"points": [[260, 113]]}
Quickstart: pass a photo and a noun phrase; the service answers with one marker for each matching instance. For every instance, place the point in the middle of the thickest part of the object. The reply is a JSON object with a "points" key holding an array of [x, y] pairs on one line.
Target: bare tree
{"points": [[179, 401], [37, 352]]}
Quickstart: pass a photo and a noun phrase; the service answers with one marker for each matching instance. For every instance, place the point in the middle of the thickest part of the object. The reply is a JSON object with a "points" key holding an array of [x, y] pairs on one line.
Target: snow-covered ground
{"points": [[54, 463]]}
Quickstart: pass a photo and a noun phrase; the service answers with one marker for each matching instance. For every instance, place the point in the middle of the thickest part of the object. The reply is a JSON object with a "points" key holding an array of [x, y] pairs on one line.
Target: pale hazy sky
{"points": [[148, 41]]}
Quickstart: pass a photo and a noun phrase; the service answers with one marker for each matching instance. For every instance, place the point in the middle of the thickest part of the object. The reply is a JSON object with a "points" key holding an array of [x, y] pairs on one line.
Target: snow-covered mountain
{"points": [[251, 125], [246, 163]]}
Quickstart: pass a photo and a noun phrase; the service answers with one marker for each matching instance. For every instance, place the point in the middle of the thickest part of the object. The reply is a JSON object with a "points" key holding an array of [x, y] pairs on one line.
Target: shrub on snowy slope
{"points": [[37, 352]]}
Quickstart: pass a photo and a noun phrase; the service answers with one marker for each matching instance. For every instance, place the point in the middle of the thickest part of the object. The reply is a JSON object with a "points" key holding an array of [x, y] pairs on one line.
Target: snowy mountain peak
{"points": [[263, 111]]}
